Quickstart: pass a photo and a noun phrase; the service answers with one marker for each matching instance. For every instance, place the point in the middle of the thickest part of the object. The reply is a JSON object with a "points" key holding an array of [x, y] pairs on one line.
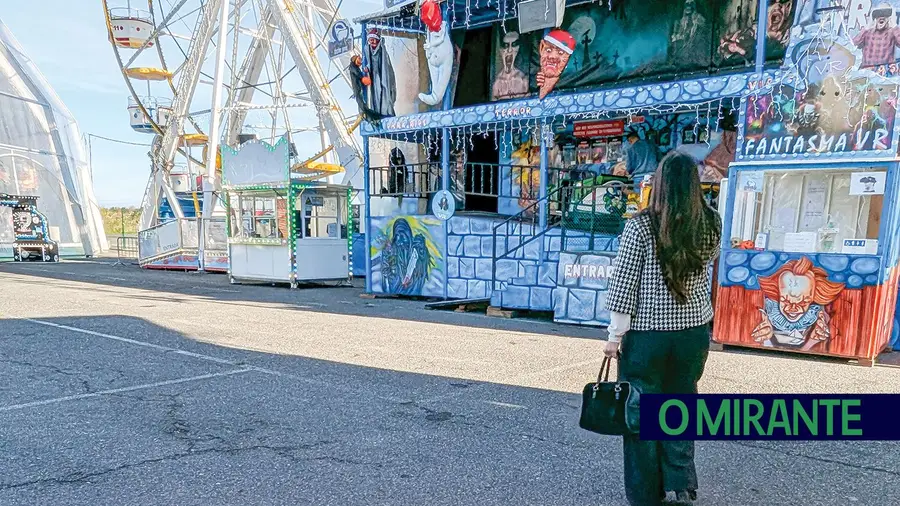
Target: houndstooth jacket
{"points": [[638, 288]]}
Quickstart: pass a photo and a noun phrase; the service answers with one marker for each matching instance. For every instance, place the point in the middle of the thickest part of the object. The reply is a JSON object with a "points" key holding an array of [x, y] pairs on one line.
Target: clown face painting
{"points": [[555, 50], [795, 300]]}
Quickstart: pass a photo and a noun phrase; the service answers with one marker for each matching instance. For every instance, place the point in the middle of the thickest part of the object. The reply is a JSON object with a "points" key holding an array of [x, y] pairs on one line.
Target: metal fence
{"points": [[592, 215], [409, 180]]}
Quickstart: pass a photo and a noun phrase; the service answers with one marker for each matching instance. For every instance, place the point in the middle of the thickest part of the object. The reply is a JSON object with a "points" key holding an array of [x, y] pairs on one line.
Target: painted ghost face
{"points": [[509, 50], [553, 60], [796, 294], [374, 40], [689, 8]]}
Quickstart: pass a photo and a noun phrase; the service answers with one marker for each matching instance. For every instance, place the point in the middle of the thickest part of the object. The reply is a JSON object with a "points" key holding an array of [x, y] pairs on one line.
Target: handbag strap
{"points": [[604, 366]]}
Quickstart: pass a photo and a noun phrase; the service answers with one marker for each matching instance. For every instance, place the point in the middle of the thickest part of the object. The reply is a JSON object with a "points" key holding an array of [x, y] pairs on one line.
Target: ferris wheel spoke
{"points": [[332, 118], [187, 82]]}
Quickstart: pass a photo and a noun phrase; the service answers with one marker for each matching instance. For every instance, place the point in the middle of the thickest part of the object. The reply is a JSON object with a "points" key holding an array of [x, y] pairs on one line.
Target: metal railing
{"points": [[409, 180], [596, 211], [520, 231], [126, 250], [521, 182]]}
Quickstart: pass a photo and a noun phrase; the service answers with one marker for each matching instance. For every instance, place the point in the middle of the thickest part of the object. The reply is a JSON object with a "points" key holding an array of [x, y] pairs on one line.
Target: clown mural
{"points": [[383, 88], [795, 303], [880, 39], [555, 50]]}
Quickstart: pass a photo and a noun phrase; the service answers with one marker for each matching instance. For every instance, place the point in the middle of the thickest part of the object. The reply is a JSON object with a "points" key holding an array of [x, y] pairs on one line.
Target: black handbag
{"points": [[610, 408]]}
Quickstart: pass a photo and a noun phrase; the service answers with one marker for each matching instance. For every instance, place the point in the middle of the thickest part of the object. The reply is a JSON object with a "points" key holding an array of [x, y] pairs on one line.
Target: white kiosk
{"points": [[282, 226]]}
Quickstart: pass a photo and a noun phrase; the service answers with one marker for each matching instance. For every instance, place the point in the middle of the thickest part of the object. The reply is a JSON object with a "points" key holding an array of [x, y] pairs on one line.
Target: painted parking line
{"points": [[145, 386], [244, 366], [135, 342]]}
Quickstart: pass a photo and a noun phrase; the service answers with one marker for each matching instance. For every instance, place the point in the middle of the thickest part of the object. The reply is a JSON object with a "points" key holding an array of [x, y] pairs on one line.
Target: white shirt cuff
{"points": [[619, 324]]}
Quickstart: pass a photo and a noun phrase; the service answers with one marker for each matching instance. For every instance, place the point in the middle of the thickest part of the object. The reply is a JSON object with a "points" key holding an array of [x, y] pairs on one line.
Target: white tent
{"points": [[42, 153]]}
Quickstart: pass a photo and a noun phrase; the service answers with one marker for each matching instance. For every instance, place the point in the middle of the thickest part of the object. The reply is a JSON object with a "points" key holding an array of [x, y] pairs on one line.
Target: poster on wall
{"points": [[867, 183], [638, 39], [406, 257], [870, 25], [521, 176], [831, 106], [736, 28]]}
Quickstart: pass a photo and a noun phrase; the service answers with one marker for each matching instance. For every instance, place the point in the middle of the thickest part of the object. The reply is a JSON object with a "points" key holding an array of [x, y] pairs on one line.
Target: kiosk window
{"points": [[260, 217], [323, 216], [810, 212]]}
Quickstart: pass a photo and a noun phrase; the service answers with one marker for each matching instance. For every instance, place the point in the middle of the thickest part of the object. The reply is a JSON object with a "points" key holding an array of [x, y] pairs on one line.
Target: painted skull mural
{"points": [[796, 298]]}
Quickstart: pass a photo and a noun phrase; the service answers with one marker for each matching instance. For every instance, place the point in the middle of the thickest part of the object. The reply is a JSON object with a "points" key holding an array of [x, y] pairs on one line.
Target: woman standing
{"points": [[660, 305]]}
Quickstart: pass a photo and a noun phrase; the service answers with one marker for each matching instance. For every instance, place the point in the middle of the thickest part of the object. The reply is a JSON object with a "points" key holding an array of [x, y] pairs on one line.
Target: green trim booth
{"points": [[283, 228], [497, 134]]}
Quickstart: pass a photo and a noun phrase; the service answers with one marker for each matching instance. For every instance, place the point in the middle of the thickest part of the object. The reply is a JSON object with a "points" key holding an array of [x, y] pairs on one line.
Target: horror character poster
{"points": [[635, 40], [512, 65], [406, 258]]}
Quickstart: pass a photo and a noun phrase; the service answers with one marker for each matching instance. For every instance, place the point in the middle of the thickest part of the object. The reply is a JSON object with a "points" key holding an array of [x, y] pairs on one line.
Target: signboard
{"points": [[800, 242], [609, 128], [157, 241], [539, 14], [313, 201], [834, 109], [443, 205], [340, 39], [860, 247], [588, 271], [867, 183], [390, 4]]}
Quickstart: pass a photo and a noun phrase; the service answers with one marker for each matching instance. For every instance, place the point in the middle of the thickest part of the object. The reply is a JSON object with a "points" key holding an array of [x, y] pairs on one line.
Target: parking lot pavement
{"points": [[124, 386]]}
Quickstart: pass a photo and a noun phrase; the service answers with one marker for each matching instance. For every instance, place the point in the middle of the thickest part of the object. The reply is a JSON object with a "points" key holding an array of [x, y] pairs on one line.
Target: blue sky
{"points": [[67, 40]]}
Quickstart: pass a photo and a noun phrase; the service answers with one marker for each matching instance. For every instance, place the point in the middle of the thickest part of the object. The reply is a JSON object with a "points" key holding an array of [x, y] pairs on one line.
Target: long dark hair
{"points": [[686, 229]]}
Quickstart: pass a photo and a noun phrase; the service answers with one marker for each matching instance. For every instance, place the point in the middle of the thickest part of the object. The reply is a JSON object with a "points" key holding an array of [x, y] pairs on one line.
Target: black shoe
{"points": [[680, 498]]}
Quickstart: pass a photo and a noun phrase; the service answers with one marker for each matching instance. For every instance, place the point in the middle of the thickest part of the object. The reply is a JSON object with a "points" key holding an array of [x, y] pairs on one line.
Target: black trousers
{"points": [[661, 362]]}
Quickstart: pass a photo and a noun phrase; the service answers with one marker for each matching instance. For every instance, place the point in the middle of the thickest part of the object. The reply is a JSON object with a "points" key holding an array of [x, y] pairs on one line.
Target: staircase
{"points": [[526, 256]]}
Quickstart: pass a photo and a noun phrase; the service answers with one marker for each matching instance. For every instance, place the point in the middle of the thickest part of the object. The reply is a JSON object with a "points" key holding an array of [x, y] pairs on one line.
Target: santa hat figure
{"points": [[372, 33], [561, 39]]}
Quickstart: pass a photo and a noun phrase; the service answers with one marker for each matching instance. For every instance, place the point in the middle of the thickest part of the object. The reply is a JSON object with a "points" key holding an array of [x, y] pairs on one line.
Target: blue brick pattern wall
{"points": [[581, 300], [470, 257], [745, 267]]}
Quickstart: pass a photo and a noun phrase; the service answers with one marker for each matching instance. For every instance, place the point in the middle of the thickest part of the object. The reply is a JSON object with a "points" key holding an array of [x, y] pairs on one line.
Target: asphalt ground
{"points": [[120, 386]]}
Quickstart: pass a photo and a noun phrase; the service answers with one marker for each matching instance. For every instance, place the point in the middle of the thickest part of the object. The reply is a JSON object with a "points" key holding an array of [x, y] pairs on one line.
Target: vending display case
{"points": [[809, 263]]}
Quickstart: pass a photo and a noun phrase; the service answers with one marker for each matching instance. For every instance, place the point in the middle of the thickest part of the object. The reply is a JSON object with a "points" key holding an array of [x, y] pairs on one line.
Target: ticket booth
{"points": [[284, 228]]}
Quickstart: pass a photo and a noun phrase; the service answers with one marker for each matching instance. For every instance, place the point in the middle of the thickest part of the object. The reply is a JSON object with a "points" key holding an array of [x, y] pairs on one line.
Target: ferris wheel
{"points": [[267, 60]]}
